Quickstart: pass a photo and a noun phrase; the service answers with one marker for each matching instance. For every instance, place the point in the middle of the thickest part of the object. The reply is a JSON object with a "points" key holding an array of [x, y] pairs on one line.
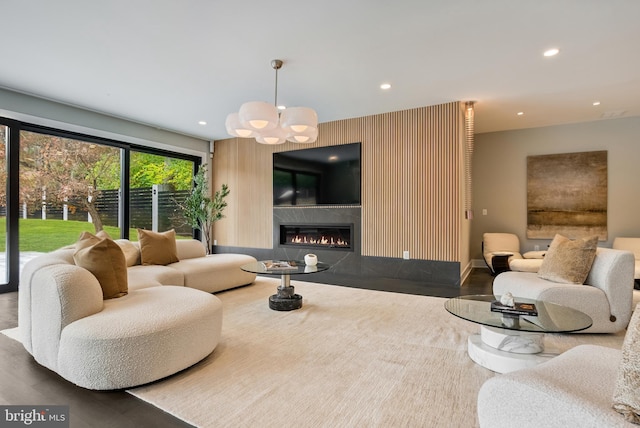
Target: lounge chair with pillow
{"points": [[501, 252]]}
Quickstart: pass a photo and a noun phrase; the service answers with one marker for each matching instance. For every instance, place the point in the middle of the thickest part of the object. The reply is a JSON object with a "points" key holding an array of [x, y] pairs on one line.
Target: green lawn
{"points": [[47, 235]]}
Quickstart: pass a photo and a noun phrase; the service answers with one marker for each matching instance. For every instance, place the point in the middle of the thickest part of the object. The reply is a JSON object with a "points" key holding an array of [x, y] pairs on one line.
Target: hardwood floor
{"points": [[23, 381]]}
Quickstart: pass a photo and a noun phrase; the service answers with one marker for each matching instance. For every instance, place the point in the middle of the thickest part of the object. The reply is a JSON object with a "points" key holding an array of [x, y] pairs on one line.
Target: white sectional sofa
{"points": [[212, 273], [166, 322]]}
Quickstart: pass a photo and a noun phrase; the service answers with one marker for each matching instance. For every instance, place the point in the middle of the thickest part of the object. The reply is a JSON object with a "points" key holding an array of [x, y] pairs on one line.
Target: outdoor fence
{"points": [[153, 208]]}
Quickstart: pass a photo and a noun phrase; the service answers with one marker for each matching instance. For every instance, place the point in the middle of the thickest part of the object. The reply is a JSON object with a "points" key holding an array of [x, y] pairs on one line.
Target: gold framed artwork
{"points": [[567, 194]]}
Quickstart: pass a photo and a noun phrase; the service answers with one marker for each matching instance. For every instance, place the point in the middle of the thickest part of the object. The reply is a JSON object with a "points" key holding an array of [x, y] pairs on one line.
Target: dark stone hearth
{"points": [[348, 267]]}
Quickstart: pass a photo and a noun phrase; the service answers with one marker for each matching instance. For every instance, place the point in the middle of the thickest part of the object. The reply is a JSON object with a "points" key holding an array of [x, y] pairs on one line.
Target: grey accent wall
{"points": [[349, 267], [499, 174]]}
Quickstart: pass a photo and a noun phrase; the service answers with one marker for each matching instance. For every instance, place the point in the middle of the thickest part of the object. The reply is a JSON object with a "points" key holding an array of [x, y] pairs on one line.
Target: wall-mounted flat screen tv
{"points": [[318, 176]]}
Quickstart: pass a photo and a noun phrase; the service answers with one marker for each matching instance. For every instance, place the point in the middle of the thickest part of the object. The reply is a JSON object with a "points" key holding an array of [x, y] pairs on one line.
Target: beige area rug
{"points": [[348, 358]]}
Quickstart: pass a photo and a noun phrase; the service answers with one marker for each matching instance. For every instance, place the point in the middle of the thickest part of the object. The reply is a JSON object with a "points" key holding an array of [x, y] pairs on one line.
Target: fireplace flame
{"points": [[328, 242]]}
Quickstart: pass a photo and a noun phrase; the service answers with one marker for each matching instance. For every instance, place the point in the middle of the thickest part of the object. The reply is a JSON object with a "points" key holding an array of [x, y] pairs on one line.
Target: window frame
{"points": [[14, 128]]}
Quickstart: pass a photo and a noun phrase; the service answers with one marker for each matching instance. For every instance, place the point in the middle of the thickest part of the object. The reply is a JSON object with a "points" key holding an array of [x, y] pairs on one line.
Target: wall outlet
{"points": [[536, 247], [484, 211], [215, 242], [405, 254]]}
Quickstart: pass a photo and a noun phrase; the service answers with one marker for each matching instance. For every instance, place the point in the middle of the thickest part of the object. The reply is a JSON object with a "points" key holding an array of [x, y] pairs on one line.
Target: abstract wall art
{"points": [[567, 194]]}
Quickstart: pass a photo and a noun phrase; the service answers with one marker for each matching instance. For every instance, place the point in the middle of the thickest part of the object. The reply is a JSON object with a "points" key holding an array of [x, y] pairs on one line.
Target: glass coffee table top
{"points": [[551, 318], [297, 267]]}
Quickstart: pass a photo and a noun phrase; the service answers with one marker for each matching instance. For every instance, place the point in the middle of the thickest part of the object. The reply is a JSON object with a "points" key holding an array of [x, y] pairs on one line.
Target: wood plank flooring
{"points": [[23, 381]]}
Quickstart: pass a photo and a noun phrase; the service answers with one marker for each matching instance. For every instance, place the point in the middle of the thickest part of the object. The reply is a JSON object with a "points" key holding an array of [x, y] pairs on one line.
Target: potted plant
{"points": [[200, 210]]}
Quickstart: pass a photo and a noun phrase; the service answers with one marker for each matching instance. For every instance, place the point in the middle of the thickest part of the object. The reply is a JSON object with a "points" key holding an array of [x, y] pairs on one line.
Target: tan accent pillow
{"points": [[157, 248], [105, 260], [626, 393], [568, 261], [130, 250], [88, 235], [100, 235]]}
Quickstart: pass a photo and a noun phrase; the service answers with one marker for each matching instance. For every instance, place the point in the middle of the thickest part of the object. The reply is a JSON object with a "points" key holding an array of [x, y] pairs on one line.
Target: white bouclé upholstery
{"points": [[633, 245], [147, 335], [160, 327], [587, 386], [214, 272], [606, 296], [140, 276], [571, 390]]}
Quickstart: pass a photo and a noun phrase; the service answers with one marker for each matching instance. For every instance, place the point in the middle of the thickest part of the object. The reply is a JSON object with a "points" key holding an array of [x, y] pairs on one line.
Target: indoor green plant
{"points": [[200, 210]]}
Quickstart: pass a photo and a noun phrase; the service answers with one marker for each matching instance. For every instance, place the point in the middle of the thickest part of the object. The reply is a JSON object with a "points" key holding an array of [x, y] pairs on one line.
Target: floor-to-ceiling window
{"points": [[56, 184], [158, 186], [67, 186], [4, 138]]}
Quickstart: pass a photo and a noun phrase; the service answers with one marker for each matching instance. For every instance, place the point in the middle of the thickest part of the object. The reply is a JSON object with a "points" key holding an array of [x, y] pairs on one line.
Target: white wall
{"points": [[26, 108], [500, 175]]}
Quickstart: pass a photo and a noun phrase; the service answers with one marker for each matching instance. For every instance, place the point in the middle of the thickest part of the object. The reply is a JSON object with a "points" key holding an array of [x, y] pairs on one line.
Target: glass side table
{"points": [[512, 342]]}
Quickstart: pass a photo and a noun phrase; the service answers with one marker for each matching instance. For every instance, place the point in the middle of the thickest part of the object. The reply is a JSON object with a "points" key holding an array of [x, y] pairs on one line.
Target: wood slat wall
{"points": [[411, 182]]}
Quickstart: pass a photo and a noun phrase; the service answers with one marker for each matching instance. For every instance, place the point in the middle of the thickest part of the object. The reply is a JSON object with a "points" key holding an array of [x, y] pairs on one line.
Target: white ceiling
{"points": [[172, 63]]}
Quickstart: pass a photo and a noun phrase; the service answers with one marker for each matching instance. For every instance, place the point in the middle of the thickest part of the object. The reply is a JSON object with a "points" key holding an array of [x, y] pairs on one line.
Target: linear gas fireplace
{"points": [[330, 237]]}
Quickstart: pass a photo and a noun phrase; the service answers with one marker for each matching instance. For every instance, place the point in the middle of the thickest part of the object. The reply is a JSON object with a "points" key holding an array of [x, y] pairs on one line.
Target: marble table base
{"points": [[504, 351], [285, 299], [518, 342]]}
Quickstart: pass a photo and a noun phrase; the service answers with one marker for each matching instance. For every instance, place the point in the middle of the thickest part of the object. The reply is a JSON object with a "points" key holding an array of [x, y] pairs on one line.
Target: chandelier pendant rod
{"points": [[277, 65]]}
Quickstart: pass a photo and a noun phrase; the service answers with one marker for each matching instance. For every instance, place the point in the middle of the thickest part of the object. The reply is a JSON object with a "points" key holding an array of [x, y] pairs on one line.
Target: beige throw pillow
{"points": [[86, 235], [105, 260], [157, 248], [100, 235], [626, 394], [568, 261], [130, 250]]}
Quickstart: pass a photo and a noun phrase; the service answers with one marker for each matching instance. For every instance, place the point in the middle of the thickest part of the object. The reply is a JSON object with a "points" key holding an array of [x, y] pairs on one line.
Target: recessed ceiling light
{"points": [[551, 52], [281, 107], [385, 86], [202, 122], [596, 103], [520, 113]]}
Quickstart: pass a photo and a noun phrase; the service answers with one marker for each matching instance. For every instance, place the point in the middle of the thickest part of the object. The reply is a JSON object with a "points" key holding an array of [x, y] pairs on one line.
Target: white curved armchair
{"points": [[633, 245], [606, 296]]}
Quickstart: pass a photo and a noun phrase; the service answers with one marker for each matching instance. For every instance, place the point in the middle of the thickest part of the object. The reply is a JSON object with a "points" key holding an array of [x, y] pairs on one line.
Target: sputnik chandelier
{"points": [[262, 121]]}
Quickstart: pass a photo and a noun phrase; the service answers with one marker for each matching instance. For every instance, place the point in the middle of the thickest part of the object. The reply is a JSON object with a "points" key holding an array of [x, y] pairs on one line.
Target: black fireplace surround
{"points": [[324, 236]]}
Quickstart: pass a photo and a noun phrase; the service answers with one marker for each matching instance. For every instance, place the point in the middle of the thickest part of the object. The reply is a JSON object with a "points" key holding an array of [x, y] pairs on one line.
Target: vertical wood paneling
{"points": [[411, 187]]}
